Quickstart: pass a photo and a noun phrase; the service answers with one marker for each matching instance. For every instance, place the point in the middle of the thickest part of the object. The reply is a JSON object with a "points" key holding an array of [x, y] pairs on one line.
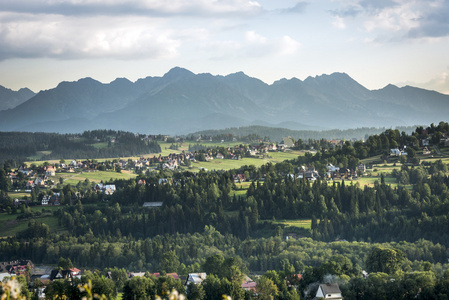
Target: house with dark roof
{"points": [[60, 274], [329, 291]]}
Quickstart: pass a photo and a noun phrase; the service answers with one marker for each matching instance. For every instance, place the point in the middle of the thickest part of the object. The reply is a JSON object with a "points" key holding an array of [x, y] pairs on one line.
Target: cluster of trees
{"points": [[16, 147]]}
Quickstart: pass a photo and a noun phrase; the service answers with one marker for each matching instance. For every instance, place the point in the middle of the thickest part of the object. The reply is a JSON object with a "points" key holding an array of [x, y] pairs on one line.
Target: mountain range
{"points": [[181, 102], [10, 99]]}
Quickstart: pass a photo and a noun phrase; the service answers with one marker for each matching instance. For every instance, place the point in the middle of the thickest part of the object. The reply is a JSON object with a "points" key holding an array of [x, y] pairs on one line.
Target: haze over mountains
{"points": [[182, 102]]}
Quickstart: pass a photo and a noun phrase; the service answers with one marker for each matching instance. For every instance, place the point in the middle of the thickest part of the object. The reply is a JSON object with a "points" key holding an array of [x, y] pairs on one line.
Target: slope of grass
{"points": [[10, 226]]}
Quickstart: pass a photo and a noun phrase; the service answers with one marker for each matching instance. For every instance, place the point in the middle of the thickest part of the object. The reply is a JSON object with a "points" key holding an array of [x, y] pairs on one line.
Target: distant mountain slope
{"points": [[10, 99], [181, 102]]}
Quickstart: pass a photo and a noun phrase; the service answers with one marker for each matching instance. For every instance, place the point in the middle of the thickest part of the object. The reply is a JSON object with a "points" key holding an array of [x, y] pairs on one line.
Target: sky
{"points": [[376, 42]]}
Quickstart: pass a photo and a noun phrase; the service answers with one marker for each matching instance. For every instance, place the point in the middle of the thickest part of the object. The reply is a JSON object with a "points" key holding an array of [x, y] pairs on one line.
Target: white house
{"points": [[329, 291], [196, 278]]}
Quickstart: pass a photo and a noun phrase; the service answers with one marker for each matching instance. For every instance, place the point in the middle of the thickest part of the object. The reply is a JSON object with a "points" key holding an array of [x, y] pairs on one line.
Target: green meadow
{"points": [[300, 223], [10, 225]]}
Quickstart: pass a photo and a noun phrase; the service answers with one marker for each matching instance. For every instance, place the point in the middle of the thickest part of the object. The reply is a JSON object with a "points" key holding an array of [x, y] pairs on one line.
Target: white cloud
{"points": [[70, 37], [289, 46], [397, 19], [252, 46], [254, 38], [339, 22], [206, 8]]}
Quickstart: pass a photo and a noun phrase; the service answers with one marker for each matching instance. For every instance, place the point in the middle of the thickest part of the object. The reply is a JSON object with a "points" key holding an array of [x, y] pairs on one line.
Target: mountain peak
{"points": [[177, 73], [121, 81]]}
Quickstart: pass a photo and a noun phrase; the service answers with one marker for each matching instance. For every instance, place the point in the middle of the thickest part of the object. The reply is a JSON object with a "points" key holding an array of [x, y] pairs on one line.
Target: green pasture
{"points": [[300, 223], [97, 176], [241, 188], [227, 164], [9, 225], [19, 195], [276, 157]]}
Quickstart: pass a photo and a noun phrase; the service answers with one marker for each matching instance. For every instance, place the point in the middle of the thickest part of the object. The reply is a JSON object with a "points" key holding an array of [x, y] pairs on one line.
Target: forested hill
{"points": [[276, 134], [19, 146]]}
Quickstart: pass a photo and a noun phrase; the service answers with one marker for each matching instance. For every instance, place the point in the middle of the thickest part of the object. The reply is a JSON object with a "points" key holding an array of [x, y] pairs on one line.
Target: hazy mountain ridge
{"points": [[181, 102], [10, 99]]}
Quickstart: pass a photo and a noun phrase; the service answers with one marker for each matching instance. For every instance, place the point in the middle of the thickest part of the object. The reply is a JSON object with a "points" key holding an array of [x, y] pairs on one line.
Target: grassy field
{"points": [[241, 189], [97, 176], [228, 164], [18, 195], [9, 225], [300, 223]]}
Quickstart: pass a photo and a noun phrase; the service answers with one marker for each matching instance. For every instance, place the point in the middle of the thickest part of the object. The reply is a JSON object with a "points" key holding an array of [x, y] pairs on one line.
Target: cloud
{"points": [[298, 8], [339, 22], [122, 29], [258, 46], [134, 7], [254, 45], [68, 38], [397, 19]]}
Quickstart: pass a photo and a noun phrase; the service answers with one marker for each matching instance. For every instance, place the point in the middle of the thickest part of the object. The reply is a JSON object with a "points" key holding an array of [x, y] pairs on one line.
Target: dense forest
{"points": [[398, 235], [19, 146]]}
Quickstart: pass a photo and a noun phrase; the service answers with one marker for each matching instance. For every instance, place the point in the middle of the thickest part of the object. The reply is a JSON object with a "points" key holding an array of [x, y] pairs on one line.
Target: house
{"points": [[362, 168], [331, 168], [397, 152], [45, 200], [248, 284], [60, 274], [15, 267], [239, 178], [75, 271], [220, 156], [50, 171], [196, 278], [287, 142], [329, 291], [108, 189], [425, 142]]}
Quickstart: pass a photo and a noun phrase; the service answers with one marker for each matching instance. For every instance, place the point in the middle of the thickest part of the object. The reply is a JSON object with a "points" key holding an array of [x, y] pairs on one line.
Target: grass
{"points": [[97, 176], [241, 189], [276, 157], [10, 226], [228, 164], [19, 195], [300, 223]]}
